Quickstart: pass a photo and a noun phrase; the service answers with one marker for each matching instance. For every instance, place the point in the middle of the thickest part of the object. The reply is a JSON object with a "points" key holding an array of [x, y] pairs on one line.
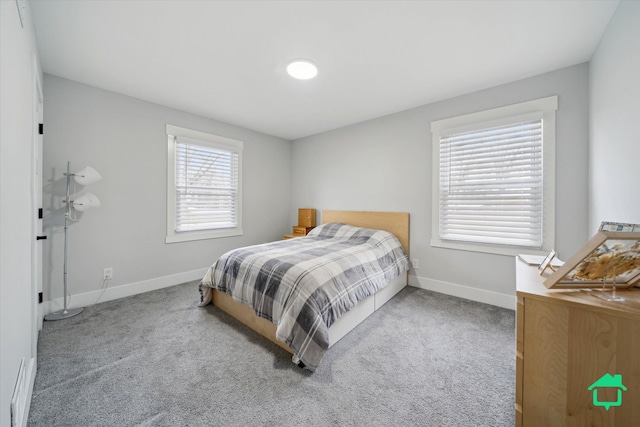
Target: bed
{"points": [[315, 288]]}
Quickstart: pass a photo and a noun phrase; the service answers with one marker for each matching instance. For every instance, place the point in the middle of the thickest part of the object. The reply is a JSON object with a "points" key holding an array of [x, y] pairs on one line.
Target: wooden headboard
{"points": [[396, 223]]}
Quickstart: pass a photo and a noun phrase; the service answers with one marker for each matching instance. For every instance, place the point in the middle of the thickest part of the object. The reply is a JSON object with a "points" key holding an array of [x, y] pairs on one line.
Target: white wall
{"points": [[385, 164], [18, 54], [614, 89], [125, 140]]}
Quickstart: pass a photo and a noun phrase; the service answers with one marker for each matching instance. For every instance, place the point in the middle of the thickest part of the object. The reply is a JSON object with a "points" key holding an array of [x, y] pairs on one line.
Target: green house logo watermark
{"points": [[608, 381]]}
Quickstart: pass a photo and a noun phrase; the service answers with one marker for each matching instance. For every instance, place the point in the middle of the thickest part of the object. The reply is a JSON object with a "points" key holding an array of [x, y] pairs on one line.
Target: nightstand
{"points": [[298, 232], [306, 223]]}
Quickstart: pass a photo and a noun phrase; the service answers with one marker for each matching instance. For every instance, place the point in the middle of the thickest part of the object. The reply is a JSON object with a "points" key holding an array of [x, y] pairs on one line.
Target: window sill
{"points": [[486, 248], [202, 235]]}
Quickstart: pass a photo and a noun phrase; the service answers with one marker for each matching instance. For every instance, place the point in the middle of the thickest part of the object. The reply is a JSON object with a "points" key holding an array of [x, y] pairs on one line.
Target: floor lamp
{"points": [[86, 176]]}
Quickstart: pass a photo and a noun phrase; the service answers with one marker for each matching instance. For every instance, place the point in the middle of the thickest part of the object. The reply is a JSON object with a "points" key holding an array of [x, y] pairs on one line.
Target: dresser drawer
{"points": [[301, 231]]}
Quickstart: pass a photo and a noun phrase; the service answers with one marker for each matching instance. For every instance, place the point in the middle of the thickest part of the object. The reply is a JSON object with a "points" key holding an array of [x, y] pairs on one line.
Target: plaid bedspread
{"points": [[303, 285]]}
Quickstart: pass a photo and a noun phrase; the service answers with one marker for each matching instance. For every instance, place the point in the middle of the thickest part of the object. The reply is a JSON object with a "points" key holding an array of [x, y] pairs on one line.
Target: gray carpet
{"points": [[156, 359]]}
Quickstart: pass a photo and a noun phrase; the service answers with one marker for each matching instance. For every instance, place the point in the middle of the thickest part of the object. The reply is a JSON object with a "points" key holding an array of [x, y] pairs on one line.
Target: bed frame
{"points": [[393, 222]]}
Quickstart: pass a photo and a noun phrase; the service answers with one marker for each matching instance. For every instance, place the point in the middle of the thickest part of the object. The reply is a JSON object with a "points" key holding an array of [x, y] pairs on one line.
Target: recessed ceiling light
{"points": [[302, 69]]}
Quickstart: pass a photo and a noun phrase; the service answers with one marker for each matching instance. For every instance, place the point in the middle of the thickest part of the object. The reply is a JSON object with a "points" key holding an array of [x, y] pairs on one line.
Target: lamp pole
{"points": [[65, 313]]}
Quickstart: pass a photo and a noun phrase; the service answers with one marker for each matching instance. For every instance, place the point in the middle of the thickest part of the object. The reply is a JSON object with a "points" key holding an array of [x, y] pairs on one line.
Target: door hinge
{"points": [[41, 237], [41, 128], [40, 213], [40, 297]]}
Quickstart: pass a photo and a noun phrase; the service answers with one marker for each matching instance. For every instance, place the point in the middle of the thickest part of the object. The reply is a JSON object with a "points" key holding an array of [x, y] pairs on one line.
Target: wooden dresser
{"points": [[576, 356]]}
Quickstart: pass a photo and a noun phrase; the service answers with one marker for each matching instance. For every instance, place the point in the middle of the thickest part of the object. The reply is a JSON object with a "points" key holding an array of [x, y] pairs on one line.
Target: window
{"points": [[204, 191], [493, 183]]}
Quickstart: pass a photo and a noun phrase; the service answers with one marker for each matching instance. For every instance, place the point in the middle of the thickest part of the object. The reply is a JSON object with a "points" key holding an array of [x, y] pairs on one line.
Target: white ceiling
{"points": [[226, 59]]}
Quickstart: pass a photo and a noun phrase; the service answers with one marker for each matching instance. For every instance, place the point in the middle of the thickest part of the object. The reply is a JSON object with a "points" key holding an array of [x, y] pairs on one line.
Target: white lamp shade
{"points": [[87, 176], [86, 201]]}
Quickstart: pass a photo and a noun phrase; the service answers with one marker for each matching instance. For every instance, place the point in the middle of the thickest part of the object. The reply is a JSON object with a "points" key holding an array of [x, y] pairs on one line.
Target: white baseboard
{"points": [[90, 298], [22, 392], [33, 367], [467, 292]]}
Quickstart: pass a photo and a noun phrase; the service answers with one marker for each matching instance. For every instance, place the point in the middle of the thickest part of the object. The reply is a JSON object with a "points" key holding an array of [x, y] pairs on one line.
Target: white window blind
{"points": [[494, 179], [206, 187], [491, 185]]}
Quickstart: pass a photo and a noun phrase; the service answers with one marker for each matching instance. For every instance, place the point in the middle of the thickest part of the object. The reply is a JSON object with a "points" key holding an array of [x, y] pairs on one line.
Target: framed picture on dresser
{"points": [[610, 258], [618, 226]]}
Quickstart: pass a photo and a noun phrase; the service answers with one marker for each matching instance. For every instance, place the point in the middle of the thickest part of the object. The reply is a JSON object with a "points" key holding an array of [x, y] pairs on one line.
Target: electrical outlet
{"points": [[108, 274], [415, 263]]}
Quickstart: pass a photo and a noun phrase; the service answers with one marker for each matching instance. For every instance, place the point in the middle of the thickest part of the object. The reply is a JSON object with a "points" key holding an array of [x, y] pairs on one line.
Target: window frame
{"points": [[206, 140], [547, 107]]}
